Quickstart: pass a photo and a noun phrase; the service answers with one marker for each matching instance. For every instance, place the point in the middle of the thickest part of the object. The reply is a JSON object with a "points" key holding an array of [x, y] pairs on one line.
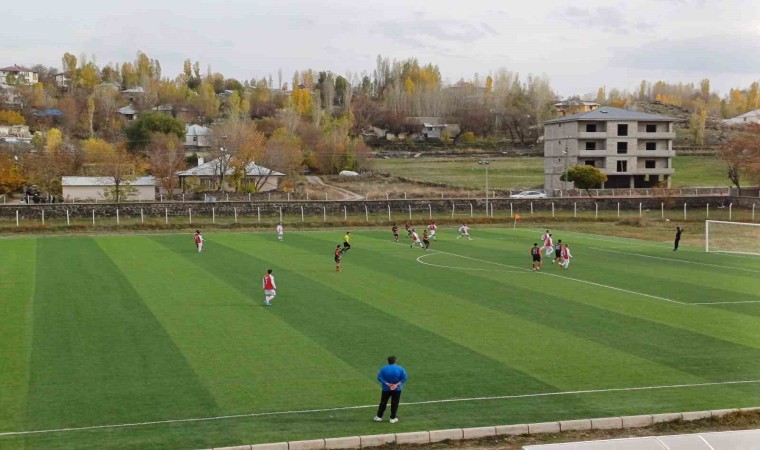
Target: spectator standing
{"points": [[392, 378]]}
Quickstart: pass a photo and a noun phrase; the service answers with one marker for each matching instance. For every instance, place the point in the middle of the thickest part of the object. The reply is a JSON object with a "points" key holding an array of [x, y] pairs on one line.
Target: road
{"points": [[334, 192]]}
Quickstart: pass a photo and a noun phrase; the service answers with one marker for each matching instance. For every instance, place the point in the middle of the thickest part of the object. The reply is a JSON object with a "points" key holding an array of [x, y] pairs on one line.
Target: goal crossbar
{"points": [[732, 237]]}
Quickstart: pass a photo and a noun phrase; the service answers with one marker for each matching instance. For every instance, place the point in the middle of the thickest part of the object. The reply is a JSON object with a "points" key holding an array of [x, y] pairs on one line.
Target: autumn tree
{"points": [[283, 152], [69, 63], [697, 122], [113, 162], [235, 144], [8, 117], [53, 160], [742, 156], [11, 178], [584, 177], [166, 157]]}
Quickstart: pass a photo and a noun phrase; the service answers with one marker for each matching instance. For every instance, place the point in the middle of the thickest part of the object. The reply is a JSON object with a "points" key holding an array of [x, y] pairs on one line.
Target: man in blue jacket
{"points": [[392, 378]]}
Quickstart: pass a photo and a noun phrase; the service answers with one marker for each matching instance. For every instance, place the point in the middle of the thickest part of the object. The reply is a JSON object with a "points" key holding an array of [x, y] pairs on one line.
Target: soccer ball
{"points": [[667, 220]]}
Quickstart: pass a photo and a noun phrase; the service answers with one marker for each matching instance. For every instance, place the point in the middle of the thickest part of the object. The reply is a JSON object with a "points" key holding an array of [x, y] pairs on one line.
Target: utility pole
{"points": [[485, 162]]}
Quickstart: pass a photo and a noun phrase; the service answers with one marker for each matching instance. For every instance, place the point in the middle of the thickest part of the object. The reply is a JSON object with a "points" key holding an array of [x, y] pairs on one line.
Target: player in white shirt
{"points": [[279, 231], [415, 239], [432, 228], [464, 231], [545, 236], [549, 246]]}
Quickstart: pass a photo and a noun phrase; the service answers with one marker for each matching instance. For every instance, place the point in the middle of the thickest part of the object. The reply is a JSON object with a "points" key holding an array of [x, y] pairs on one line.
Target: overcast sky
{"points": [[580, 45]]}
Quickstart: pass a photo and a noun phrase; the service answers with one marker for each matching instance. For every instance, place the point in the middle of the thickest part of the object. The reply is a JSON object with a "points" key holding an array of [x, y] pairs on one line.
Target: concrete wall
{"points": [[74, 193]]}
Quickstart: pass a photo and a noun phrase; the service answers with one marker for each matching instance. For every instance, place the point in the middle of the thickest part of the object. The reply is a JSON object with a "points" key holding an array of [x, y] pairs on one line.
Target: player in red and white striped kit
{"points": [[548, 246], [270, 288], [432, 228], [565, 256], [198, 238]]}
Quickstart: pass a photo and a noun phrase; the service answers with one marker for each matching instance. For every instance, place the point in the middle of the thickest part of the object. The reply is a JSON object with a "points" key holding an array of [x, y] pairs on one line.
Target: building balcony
{"points": [[655, 171], [643, 135], [592, 135], [640, 153], [598, 153]]}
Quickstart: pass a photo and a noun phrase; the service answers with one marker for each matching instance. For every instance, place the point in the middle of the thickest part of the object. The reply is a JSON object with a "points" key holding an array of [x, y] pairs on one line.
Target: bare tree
{"points": [[742, 155], [166, 157]]}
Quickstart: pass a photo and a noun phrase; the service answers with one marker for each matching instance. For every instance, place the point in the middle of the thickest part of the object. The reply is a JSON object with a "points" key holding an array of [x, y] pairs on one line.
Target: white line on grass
{"points": [[608, 286], [574, 279], [346, 408], [676, 260], [419, 260]]}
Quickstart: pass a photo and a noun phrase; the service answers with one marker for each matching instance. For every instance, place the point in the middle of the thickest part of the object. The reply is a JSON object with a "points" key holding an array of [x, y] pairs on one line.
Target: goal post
{"points": [[732, 237]]}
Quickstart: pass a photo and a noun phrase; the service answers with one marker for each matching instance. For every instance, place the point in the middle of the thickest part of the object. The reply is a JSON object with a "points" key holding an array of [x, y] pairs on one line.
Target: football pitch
{"points": [[138, 341]]}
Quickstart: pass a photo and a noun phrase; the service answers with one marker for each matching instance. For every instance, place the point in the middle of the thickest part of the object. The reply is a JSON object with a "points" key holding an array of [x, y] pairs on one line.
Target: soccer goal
{"points": [[732, 237]]}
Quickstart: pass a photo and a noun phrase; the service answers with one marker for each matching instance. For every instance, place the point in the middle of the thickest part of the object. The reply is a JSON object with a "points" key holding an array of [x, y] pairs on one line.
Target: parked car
{"points": [[528, 194]]}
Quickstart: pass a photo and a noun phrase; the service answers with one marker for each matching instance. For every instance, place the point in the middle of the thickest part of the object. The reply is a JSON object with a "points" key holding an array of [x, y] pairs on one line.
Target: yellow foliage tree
{"points": [[8, 117], [11, 178], [301, 101], [54, 140]]}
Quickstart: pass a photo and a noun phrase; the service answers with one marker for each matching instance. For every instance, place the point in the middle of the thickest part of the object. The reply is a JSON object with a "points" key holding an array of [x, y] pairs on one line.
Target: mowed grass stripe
{"points": [[249, 359], [730, 325], [416, 295], [684, 282], [17, 280], [99, 356], [702, 356], [314, 302]]}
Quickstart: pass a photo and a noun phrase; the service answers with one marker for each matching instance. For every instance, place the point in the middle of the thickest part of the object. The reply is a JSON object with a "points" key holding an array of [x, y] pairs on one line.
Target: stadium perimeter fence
{"points": [[378, 212]]}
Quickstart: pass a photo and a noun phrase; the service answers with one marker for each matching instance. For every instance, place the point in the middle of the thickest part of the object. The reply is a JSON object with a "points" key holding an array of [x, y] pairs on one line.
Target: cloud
{"points": [[606, 19], [414, 32], [739, 54]]}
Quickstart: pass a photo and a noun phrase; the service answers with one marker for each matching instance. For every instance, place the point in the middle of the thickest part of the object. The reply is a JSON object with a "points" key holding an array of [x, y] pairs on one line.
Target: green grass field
{"points": [[527, 172], [145, 332]]}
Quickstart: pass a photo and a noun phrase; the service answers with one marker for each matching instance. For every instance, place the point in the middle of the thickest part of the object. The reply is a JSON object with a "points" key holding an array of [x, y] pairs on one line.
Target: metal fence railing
{"points": [[357, 213]]}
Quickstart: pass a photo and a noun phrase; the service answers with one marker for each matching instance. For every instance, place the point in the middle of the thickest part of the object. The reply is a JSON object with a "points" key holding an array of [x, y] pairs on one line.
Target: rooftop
{"points": [[609, 113], [197, 130], [16, 68], [211, 168]]}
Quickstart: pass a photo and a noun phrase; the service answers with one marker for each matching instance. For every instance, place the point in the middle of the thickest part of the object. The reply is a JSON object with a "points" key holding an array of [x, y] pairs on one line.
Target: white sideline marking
{"points": [[345, 408], [676, 259], [419, 260]]}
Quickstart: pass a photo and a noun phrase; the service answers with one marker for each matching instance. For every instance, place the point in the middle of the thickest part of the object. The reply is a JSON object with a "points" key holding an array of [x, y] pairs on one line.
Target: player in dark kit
{"points": [[535, 253], [338, 252], [679, 230], [557, 252], [395, 232], [425, 239]]}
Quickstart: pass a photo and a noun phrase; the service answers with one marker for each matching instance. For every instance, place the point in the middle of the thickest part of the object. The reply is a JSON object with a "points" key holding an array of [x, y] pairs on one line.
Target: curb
{"points": [[458, 434]]}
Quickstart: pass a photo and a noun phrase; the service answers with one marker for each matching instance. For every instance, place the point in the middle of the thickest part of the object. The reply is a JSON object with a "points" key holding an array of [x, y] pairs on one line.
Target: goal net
{"points": [[732, 237]]}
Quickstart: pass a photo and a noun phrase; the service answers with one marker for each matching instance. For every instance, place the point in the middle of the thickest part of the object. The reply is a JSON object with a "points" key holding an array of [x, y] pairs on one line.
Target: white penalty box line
{"points": [[606, 286], [347, 408]]}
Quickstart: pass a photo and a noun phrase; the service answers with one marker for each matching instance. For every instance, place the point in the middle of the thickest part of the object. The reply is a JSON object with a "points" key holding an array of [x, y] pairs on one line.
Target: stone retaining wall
{"points": [[458, 434]]}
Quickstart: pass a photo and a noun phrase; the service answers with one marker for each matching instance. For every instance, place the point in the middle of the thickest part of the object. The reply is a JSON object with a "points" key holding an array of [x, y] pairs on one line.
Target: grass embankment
{"points": [[525, 172]]}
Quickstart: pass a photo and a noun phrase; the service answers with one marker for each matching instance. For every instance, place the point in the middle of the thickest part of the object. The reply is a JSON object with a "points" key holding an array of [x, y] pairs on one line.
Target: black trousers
{"points": [[675, 244], [395, 397]]}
